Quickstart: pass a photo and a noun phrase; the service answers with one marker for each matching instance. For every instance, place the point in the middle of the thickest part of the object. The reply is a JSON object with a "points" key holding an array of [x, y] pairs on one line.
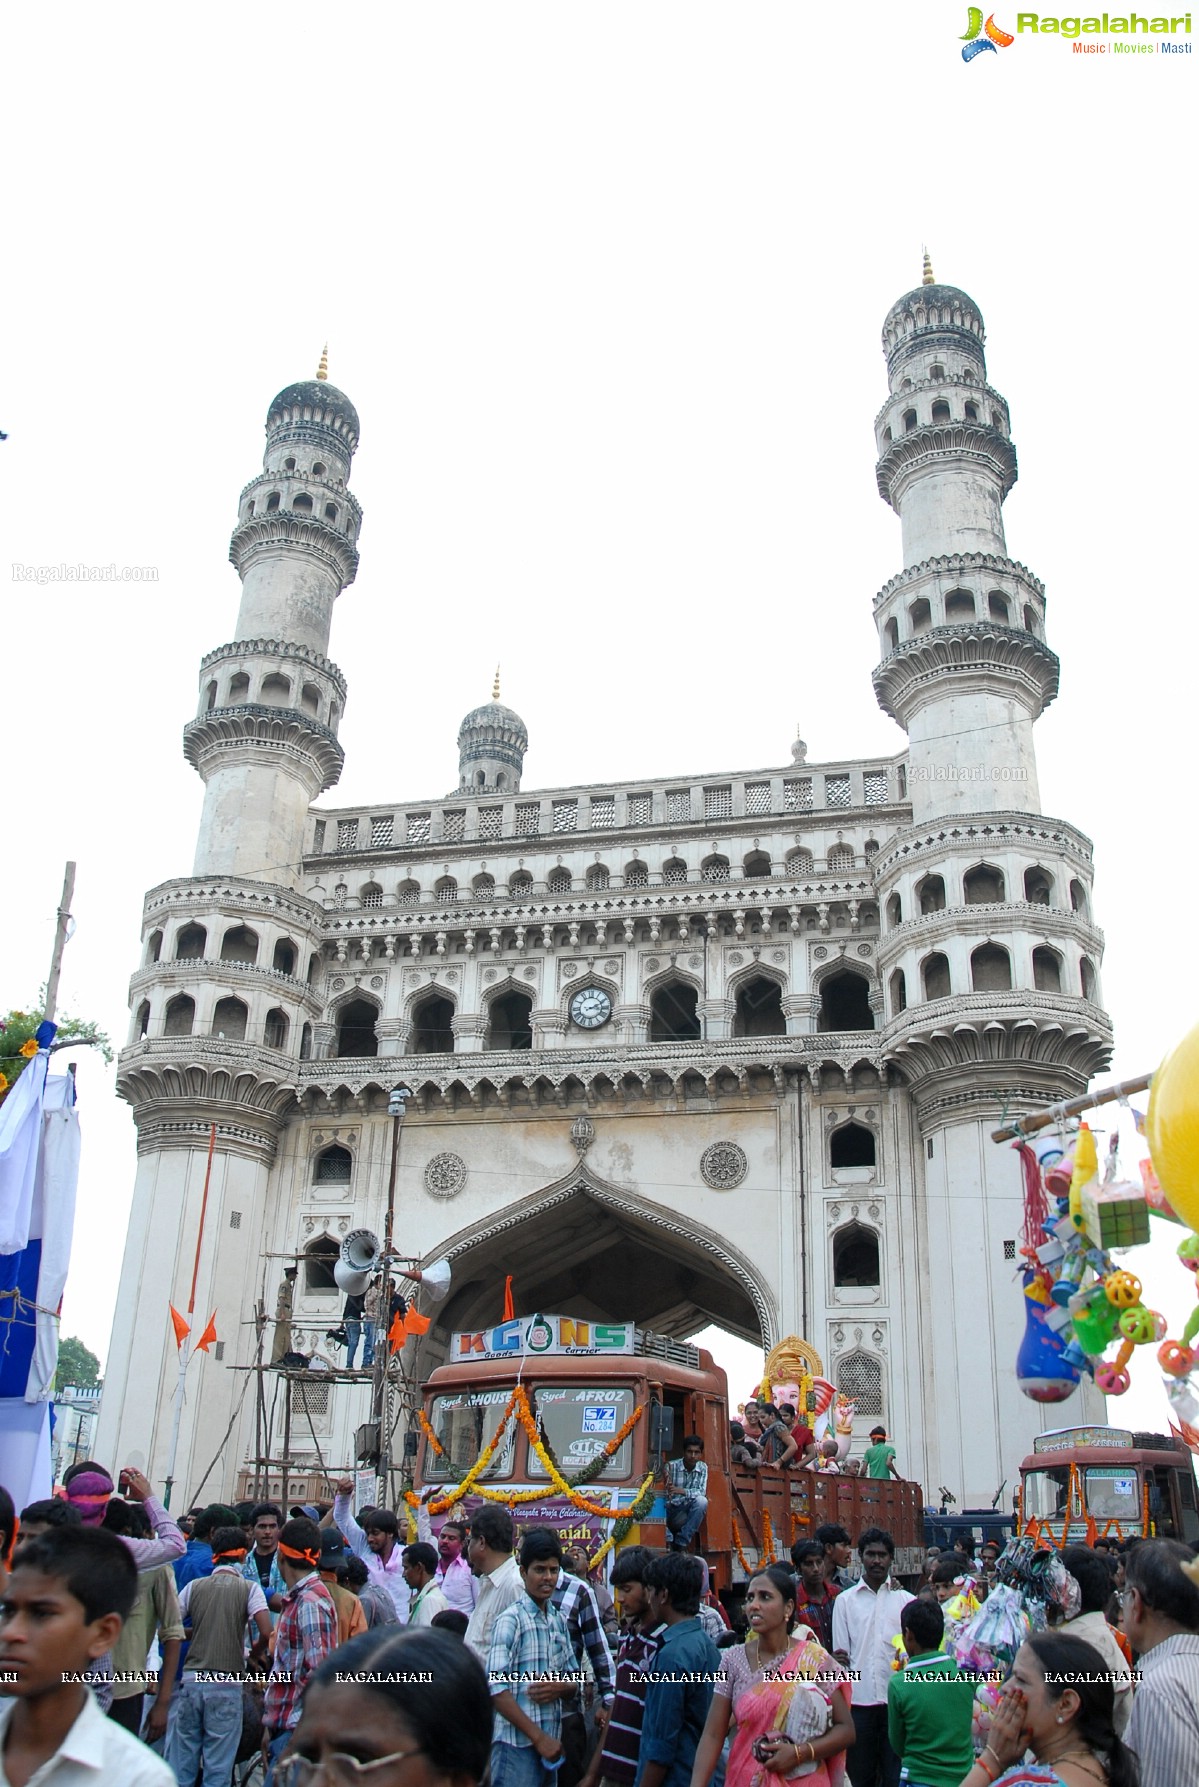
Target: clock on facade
{"points": [[590, 1008]]}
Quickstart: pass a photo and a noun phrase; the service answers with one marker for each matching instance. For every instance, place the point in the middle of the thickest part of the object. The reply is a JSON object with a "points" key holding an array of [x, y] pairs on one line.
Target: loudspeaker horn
{"points": [[361, 1249]]}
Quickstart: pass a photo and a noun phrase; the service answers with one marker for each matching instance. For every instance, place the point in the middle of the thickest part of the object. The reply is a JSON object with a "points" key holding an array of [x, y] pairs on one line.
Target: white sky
{"points": [[605, 283]]}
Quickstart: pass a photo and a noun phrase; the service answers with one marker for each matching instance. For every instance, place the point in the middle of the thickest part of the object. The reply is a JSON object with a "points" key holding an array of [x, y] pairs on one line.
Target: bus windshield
{"points": [[1113, 1494], [578, 1423], [1045, 1492], [464, 1422]]}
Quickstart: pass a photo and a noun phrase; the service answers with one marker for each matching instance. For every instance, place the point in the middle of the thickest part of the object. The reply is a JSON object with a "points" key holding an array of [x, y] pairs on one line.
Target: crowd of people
{"points": [[344, 1653]]}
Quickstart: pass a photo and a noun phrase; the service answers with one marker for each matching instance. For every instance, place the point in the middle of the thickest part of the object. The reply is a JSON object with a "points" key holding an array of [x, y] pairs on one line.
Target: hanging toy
{"points": [[1042, 1370], [1086, 1168], [1172, 1127], [1123, 1289]]}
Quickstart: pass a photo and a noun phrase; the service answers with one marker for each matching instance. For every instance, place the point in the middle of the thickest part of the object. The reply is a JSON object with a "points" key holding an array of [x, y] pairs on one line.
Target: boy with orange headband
{"points": [[205, 1728], [304, 1637]]}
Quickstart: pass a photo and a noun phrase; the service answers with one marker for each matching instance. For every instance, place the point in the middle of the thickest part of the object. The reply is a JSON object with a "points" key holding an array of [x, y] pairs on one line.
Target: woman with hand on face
{"points": [[1059, 1703], [787, 1697]]}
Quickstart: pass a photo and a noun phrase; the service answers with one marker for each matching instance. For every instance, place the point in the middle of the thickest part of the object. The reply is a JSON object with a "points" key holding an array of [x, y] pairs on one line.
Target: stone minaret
{"points": [[988, 955], [492, 742], [226, 998], [265, 736]]}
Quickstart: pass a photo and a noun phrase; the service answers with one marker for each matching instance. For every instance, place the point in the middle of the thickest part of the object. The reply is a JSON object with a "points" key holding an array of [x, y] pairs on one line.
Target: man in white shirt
{"points": [[63, 1607], [500, 1583], [1094, 1579], [420, 1573], [866, 1620], [376, 1542]]}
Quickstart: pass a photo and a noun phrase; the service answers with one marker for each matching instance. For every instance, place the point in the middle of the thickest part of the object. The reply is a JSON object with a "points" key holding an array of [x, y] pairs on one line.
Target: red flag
{"points": [[397, 1334], [180, 1326], [208, 1336], [509, 1305], [415, 1323]]}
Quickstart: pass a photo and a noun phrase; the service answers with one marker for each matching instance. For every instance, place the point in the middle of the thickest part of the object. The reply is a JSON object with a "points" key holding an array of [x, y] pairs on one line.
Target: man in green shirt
{"points": [[879, 1457], [930, 1704]]}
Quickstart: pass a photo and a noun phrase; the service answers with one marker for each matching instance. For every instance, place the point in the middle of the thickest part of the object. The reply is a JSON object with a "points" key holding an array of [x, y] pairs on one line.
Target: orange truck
{"points": [[584, 1380], [1080, 1484]]}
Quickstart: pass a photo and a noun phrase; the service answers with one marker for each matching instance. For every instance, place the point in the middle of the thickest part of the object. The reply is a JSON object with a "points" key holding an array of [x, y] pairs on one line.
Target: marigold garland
{"points": [[767, 1554], [518, 1405], [625, 1522], [427, 1430], [739, 1549]]}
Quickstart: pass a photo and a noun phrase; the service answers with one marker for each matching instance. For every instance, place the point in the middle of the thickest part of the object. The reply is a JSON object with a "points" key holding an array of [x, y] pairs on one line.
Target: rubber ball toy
{"points": [[1172, 1127]]}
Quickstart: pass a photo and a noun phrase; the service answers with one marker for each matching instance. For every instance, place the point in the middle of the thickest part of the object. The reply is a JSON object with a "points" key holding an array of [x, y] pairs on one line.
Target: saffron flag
{"points": [[397, 1334], [509, 1305], [209, 1335], [414, 1323], [180, 1326]]}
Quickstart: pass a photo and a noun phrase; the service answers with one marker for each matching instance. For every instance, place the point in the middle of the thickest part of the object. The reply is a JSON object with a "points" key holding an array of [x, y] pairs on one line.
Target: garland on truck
{"points": [[518, 1407]]}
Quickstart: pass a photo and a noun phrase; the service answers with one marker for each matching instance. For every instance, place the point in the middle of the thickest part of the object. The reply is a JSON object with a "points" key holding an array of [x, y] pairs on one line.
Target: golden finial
{"points": [[322, 371], [930, 277], [495, 687]]}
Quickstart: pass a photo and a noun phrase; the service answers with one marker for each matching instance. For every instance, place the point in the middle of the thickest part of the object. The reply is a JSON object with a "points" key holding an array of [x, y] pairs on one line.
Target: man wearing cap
{"points": [[304, 1637], [879, 1457], [351, 1616], [206, 1713]]}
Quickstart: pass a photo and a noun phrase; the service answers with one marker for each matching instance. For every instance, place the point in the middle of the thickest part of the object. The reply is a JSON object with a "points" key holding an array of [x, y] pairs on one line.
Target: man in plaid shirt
{"points": [[575, 1600], [306, 1633], [531, 1666]]}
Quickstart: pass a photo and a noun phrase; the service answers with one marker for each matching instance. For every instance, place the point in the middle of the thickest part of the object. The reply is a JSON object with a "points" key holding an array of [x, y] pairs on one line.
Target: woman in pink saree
{"points": [[786, 1698]]}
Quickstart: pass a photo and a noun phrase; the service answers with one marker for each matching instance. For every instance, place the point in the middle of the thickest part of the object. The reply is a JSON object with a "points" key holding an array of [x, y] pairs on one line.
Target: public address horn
{"points": [[360, 1253]]}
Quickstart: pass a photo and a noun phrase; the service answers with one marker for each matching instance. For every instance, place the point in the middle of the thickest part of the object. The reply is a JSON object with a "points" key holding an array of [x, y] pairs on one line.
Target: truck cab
{"points": [[1083, 1483]]}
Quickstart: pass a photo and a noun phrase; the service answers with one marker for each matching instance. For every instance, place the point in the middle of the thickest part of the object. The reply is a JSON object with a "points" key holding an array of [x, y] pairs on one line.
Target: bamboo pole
{"points": [[1073, 1107], [60, 941]]}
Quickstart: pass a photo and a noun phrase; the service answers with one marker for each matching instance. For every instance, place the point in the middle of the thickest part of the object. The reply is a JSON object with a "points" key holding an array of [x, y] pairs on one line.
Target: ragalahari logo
{"points": [[979, 37]]}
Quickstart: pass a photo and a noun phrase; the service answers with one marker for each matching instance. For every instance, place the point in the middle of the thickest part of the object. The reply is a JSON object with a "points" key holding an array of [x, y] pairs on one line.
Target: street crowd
{"points": [[331, 1651]]}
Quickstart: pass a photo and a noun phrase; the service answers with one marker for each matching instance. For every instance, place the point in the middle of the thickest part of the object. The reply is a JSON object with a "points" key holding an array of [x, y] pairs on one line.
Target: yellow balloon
{"points": [[1172, 1127]]}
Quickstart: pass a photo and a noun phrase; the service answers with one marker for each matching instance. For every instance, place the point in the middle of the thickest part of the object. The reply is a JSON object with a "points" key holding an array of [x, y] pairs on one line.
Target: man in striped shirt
{"points": [[615, 1764], [1160, 1604]]}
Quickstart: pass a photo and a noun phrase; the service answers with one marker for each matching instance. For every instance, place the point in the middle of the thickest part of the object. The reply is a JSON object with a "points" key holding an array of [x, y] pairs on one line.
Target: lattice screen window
{"points": [[371, 896], [235, 1219], [334, 1166], [566, 815], [837, 791], [860, 1377], [318, 838], [454, 827], [603, 811], [840, 857], [678, 805], [408, 893], [641, 809], [636, 875], [674, 874], [347, 834], [1009, 1250], [310, 1398], [757, 797], [491, 821], [718, 803], [797, 796], [383, 832], [419, 828], [528, 819], [714, 871], [219, 1349], [874, 784]]}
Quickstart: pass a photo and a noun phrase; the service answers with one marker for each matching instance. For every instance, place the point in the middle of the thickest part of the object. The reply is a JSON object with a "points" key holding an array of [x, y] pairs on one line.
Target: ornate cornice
{"points": [[994, 832], [231, 896], [988, 919], [192, 1075], [206, 969], [998, 1031], [971, 442], [284, 528], [276, 648], [974, 654], [958, 564], [159, 1132], [254, 726]]}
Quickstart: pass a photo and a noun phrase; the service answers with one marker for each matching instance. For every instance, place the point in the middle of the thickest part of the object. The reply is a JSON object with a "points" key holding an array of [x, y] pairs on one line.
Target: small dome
{"points": [[494, 720], [316, 394]]}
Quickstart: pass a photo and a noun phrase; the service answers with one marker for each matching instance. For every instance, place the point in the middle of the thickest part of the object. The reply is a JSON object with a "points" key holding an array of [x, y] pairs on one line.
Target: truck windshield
{"points": [[1113, 1494], [578, 1423], [464, 1423], [1045, 1492]]}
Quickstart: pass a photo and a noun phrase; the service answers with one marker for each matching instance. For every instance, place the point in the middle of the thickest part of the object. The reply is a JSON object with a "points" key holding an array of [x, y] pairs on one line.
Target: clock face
{"points": [[590, 1008]]}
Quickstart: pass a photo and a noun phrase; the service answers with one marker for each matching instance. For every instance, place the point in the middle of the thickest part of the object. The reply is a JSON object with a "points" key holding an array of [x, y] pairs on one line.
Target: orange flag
{"points": [[397, 1334], [180, 1326], [414, 1323], [208, 1336], [509, 1305]]}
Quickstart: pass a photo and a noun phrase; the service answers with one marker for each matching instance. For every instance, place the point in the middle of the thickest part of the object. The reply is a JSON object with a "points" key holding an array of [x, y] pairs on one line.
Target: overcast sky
{"points": [[605, 283]]}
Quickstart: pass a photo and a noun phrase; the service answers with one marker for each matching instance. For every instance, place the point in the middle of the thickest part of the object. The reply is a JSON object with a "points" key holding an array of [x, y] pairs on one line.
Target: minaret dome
{"points": [[492, 741]]}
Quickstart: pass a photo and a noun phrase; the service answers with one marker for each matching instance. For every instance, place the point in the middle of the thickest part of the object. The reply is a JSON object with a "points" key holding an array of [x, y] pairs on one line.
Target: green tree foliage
{"points": [[77, 1365], [19, 1027]]}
